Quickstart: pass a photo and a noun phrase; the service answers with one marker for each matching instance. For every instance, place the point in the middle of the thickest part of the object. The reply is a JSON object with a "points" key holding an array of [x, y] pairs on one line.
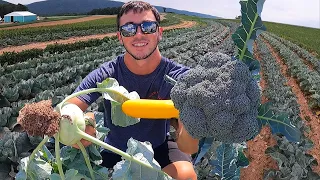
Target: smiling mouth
{"points": [[139, 44]]}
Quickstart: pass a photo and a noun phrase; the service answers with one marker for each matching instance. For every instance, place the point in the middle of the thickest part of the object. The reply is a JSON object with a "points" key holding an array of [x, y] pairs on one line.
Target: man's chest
{"points": [[147, 88]]}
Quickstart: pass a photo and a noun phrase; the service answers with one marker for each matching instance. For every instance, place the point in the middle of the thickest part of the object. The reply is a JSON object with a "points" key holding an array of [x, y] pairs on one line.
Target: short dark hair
{"points": [[137, 7]]}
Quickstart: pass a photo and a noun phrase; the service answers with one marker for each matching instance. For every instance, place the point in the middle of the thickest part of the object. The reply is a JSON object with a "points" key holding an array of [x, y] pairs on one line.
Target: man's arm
{"points": [[82, 105], [185, 141]]}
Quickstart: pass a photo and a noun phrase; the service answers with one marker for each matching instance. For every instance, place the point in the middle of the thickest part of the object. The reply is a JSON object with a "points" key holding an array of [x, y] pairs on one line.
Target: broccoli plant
{"points": [[220, 98]]}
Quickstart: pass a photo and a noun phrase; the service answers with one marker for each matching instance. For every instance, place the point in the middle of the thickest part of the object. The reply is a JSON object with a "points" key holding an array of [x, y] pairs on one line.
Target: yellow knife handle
{"points": [[150, 108]]}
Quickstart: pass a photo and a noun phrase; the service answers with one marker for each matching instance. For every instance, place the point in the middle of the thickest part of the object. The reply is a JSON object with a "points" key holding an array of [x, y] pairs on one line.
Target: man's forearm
{"points": [[185, 141]]}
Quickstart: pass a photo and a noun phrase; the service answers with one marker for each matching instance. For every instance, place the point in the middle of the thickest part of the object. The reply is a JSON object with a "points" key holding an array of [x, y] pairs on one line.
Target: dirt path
{"points": [[305, 112], [42, 45], [259, 160], [60, 22]]}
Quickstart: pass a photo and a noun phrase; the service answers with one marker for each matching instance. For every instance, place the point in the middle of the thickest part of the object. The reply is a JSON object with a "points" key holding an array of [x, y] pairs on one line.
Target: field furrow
{"points": [[305, 112]]}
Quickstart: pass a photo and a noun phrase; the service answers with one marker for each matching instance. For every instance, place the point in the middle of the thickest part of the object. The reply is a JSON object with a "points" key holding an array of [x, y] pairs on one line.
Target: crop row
{"points": [[190, 53], [277, 90], [309, 80], [300, 51], [39, 34], [284, 100]]}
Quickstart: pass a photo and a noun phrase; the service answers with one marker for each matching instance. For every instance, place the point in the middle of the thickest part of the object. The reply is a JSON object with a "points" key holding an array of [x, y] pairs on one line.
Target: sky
{"points": [[296, 12]]}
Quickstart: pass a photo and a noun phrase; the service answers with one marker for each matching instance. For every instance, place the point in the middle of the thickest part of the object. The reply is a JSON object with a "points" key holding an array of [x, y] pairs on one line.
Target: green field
{"points": [[42, 19], [55, 72], [308, 38]]}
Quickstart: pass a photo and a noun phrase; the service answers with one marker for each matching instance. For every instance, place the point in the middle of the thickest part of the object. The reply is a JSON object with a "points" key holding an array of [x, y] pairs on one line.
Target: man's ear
{"points": [[119, 37], [160, 33]]}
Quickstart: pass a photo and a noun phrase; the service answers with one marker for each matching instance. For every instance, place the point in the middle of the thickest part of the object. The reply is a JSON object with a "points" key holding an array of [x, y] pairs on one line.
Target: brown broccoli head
{"points": [[39, 119]]}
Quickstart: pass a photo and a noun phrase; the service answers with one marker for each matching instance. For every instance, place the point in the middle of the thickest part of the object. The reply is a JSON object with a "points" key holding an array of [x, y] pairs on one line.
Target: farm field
{"points": [[99, 25], [290, 78], [53, 21], [304, 37]]}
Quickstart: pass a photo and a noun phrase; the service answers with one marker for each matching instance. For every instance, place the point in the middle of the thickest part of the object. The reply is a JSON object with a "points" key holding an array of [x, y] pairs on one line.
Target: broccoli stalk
{"points": [[218, 98]]}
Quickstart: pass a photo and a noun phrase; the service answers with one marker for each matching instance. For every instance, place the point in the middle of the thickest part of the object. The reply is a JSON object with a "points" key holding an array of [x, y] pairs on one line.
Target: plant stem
{"points": [[116, 150], [86, 158], [35, 151], [170, 80], [248, 37], [57, 151]]}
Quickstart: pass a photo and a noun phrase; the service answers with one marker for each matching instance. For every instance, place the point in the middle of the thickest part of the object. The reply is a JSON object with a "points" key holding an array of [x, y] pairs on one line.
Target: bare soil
{"points": [[259, 160], [42, 45], [306, 113], [60, 22]]}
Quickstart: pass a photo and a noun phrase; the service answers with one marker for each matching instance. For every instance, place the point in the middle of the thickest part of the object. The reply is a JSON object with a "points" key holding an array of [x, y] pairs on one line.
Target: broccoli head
{"points": [[218, 98]]}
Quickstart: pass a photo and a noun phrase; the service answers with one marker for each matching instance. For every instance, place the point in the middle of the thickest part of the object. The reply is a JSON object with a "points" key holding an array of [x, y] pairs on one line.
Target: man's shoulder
{"points": [[113, 62], [106, 69], [110, 65], [173, 63], [175, 69]]}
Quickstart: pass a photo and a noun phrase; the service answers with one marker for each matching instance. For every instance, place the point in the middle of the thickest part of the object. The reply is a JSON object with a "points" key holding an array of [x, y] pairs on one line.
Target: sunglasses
{"points": [[130, 29]]}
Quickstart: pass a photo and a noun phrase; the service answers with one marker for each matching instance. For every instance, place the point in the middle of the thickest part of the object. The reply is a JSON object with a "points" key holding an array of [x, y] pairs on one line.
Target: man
{"points": [[142, 68]]}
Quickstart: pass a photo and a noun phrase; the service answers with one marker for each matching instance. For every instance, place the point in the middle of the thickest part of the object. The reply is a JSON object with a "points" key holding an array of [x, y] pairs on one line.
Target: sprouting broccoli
{"points": [[218, 98]]}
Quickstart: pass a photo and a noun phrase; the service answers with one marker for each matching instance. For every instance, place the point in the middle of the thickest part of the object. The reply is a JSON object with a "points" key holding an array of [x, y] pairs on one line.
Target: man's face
{"points": [[140, 46]]}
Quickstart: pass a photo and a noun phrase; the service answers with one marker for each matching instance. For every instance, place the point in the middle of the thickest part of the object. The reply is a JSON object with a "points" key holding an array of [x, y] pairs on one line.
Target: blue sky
{"points": [[297, 12]]}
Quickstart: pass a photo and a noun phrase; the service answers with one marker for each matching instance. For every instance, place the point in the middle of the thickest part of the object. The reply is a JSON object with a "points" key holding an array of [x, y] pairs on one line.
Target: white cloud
{"points": [[24, 2], [297, 12]]}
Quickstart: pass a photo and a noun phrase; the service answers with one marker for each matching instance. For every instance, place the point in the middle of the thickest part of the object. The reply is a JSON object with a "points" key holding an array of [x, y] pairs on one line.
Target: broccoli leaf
{"points": [[293, 160], [130, 170], [3, 101], [251, 27], [5, 114], [279, 123], [71, 174], [37, 169], [226, 163], [242, 161], [204, 146], [11, 94], [118, 95], [73, 158]]}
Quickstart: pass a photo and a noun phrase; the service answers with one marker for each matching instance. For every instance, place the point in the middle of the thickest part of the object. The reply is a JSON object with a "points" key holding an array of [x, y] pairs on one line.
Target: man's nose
{"points": [[139, 31]]}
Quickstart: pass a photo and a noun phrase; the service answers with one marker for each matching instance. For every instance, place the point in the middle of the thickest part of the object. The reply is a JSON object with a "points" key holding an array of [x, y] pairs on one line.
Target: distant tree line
{"points": [[8, 8], [105, 11]]}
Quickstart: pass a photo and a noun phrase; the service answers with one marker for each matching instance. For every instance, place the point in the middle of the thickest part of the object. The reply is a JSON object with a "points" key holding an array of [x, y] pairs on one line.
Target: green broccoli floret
{"points": [[218, 98]]}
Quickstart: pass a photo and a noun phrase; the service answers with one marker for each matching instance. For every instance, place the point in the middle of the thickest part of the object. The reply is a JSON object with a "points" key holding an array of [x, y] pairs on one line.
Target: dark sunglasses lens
{"points": [[149, 27], [128, 30]]}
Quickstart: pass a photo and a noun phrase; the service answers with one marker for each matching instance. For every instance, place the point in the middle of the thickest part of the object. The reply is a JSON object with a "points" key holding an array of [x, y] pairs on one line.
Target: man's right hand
{"points": [[89, 130]]}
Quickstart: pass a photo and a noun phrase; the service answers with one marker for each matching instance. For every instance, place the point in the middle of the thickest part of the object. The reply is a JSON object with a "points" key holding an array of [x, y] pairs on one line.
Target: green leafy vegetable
{"points": [[250, 28], [130, 170], [279, 123], [117, 95]]}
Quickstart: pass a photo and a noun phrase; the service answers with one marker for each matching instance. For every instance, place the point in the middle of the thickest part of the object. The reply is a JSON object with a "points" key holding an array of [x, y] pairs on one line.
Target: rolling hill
{"points": [[56, 7]]}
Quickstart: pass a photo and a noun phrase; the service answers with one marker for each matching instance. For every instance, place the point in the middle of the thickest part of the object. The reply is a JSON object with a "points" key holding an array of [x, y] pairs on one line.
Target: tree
{"points": [[164, 9]]}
